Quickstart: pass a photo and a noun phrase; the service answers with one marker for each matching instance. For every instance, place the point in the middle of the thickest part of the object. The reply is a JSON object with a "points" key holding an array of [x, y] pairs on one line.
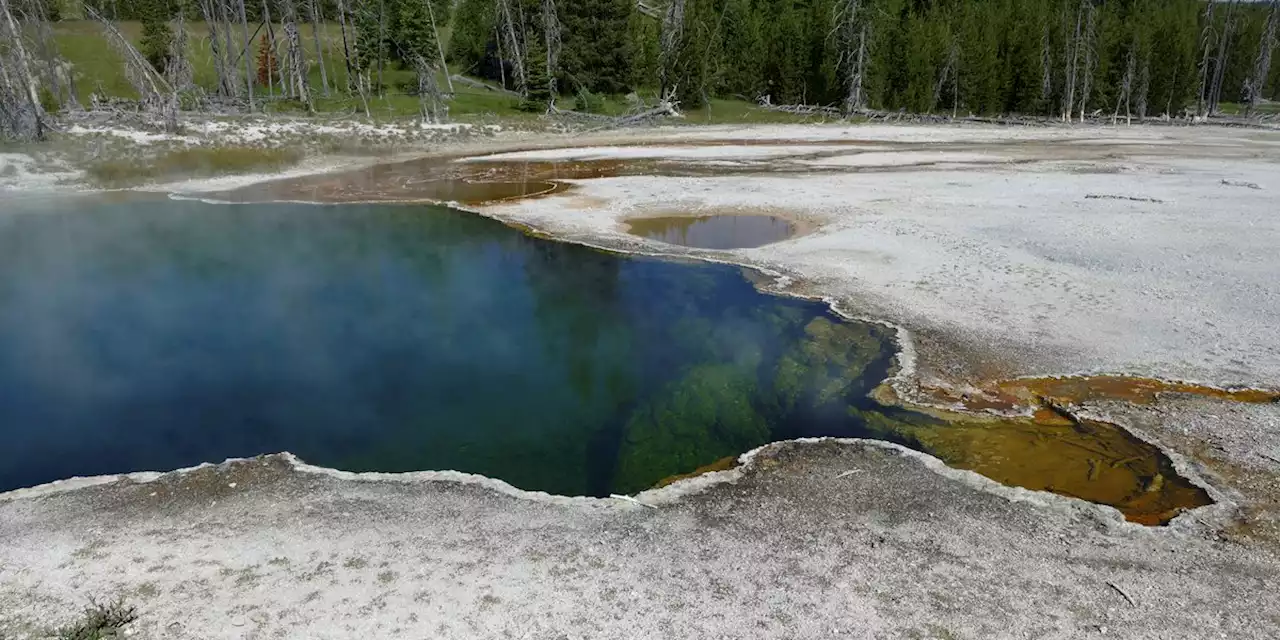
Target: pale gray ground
{"points": [[1006, 252], [993, 266], [825, 540]]}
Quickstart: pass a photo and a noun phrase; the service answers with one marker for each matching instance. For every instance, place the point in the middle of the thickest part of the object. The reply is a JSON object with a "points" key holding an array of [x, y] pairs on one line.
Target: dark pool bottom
{"points": [[160, 334]]}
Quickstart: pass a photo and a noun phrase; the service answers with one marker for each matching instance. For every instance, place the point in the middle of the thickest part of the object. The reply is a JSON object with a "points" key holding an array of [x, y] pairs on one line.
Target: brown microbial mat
{"points": [[447, 180], [1011, 395], [1094, 461], [714, 231]]}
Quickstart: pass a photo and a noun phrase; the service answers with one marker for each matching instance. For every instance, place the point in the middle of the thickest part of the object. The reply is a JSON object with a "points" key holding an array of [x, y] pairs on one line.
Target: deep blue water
{"points": [[155, 334]]}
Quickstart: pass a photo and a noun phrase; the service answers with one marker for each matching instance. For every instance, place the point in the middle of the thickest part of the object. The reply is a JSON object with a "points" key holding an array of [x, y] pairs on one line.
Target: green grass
{"points": [[1235, 109], [98, 68], [192, 163]]}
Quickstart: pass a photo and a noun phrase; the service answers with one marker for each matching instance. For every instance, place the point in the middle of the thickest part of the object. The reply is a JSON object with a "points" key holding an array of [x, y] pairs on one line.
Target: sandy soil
{"points": [[982, 243]]}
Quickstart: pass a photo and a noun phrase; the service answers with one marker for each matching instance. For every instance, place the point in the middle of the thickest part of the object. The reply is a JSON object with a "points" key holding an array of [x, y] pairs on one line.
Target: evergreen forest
{"points": [[1068, 59]]}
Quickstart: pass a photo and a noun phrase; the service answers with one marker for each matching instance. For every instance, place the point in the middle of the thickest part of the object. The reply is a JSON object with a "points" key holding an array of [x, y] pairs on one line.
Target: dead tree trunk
{"points": [[1046, 71], [430, 102], [1257, 80], [948, 73], [279, 68], [317, 20], [346, 47], [1220, 64], [513, 45], [21, 115], [248, 71], [431, 15], [178, 72], [1208, 35], [1126, 90], [551, 42], [1090, 56], [1072, 63], [851, 27], [223, 66], [156, 95], [1144, 86], [382, 37], [298, 86], [60, 80], [670, 42], [228, 32]]}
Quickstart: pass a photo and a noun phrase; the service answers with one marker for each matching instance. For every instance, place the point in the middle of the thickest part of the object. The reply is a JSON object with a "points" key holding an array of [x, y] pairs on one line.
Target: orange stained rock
{"points": [[1022, 393], [723, 464]]}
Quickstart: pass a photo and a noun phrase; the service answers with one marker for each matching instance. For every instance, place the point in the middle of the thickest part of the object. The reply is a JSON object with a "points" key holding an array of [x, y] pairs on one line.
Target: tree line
{"points": [[1066, 58], [1062, 58]]}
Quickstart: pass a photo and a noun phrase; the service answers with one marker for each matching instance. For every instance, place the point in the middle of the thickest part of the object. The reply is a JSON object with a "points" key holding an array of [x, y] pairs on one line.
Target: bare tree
{"points": [[1257, 80], [431, 103], [1072, 64], [670, 42], [1086, 44], [511, 43], [215, 18], [1144, 86], [382, 37], [21, 115], [278, 68], [948, 76], [178, 70], [1220, 63], [58, 78], [1124, 96], [343, 19], [294, 57], [851, 30], [248, 71], [1208, 35], [1046, 68], [431, 14], [317, 21], [154, 92], [551, 41]]}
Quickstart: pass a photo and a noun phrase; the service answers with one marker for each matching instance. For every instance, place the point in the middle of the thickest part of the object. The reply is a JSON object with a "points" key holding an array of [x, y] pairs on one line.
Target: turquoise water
{"points": [[155, 334]]}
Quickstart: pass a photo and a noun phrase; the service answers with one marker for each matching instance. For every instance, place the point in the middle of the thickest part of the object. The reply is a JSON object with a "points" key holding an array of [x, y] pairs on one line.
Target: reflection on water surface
{"points": [[714, 231]]}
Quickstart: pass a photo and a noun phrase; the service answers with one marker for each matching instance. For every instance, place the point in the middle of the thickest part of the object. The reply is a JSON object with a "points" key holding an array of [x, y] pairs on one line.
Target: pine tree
{"points": [[597, 50], [538, 96], [744, 50], [645, 55], [413, 36], [371, 50], [472, 32], [157, 37]]}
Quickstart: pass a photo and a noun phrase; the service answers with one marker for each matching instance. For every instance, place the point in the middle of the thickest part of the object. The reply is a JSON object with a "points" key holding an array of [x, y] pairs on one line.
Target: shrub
{"points": [[100, 621], [588, 102]]}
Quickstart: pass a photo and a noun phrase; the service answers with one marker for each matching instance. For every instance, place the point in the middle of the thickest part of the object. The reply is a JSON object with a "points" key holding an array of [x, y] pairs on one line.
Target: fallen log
{"points": [[471, 82]]}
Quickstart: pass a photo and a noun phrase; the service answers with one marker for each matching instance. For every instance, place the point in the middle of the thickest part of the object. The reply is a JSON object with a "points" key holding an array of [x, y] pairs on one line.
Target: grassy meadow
{"points": [[99, 68]]}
